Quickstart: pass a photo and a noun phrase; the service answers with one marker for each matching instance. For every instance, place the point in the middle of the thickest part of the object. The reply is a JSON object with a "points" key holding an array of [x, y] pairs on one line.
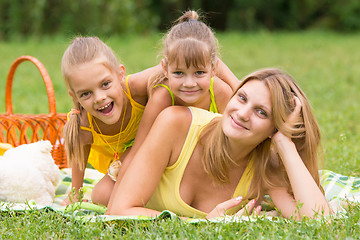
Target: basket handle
{"points": [[45, 76]]}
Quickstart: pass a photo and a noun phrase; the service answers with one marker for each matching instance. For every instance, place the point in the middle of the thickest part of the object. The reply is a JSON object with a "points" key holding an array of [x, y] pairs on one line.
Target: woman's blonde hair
{"points": [[269, 170], [190, 40], [82, 50]]}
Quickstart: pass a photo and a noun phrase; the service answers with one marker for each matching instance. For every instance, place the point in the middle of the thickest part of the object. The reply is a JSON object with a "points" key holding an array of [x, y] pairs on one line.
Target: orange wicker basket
{"points": [[17, 129]]}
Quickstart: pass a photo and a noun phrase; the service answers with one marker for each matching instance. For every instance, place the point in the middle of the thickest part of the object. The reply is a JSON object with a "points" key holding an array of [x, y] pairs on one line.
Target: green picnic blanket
{"points": [[338, 188]]}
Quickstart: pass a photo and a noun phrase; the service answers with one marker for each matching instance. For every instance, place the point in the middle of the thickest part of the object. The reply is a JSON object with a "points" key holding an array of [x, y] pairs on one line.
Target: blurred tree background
{"points": [[23, 18]]}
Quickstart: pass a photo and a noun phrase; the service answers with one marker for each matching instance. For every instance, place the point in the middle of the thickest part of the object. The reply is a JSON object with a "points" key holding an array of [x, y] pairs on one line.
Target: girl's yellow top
{"points": [[101, 154], [167, 195]]}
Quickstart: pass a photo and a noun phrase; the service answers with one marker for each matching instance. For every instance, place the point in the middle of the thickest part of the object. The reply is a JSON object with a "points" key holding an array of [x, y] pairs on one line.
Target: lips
{"points": [[238, 124], [107, 108], [190, 91]]}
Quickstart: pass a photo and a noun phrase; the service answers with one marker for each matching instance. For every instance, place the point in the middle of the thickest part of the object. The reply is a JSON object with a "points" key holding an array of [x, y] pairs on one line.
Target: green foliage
{"points": [[20, 18]]}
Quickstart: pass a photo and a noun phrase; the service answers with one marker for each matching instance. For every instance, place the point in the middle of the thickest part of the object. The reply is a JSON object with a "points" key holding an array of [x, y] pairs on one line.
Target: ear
{"points": [[122, 70], [164, 67]]}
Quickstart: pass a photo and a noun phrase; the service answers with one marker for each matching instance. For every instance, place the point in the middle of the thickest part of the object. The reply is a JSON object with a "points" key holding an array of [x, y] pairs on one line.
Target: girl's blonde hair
{"points": [[190, 40], [82, 50], [269, 170]]}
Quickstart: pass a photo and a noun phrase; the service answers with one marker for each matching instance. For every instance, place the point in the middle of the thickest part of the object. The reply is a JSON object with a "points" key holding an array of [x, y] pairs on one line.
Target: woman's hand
{"points": [[220, 209], [279, 137]]}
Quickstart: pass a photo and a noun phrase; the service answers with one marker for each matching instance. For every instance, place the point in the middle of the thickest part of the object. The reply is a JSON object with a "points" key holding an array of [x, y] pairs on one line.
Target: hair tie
{"points": [[72, 112], [192, 20]]}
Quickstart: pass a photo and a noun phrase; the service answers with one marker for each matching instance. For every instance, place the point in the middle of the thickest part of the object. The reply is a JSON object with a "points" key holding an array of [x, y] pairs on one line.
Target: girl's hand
{"points": [[71, 199], [220, 209], [278, 136]]}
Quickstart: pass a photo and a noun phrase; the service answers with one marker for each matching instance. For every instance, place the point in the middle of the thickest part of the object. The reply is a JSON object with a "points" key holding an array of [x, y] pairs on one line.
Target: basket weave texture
{"points": [[17, 129]]}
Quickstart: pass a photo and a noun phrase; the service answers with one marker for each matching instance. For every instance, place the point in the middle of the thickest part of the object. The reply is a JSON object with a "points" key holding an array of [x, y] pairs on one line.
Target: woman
{"points": [[196, 163]]}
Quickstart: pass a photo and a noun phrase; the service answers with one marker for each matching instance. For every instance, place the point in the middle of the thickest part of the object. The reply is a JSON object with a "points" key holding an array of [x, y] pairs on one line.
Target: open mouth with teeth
{"points": [[107, 108]]}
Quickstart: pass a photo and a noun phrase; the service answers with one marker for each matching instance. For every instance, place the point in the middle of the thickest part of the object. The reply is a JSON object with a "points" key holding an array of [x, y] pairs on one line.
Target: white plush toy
{"points": [[28, 172]]}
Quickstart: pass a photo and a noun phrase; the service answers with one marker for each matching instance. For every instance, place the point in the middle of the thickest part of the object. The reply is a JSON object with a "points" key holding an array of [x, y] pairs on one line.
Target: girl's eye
{"points": [[178, 73], [84, 94], [198, 73], [106, 84]]}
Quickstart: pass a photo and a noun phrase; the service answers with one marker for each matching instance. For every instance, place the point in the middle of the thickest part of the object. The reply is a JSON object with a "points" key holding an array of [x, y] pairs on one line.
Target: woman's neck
{"points": [[240, 152]]}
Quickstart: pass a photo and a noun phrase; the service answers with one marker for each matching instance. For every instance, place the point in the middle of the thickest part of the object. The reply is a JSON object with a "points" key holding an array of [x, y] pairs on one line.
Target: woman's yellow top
{"points": [[167, 195], [101, 154]]}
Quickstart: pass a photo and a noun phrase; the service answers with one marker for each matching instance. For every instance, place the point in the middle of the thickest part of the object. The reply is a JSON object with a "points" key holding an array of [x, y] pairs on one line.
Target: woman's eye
{"points": [[262, 113], [242, 97]]}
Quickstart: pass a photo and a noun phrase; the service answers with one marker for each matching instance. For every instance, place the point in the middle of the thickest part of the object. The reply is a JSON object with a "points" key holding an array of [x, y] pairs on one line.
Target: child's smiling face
{"points": [[98, 90], [190, 85]]}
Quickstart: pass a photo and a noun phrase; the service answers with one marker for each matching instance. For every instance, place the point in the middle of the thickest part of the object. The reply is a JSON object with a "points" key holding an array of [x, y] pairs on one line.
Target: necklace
{"points": [[116, 152]]}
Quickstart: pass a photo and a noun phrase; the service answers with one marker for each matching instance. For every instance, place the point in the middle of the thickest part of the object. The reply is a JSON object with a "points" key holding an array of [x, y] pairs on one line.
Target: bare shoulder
{"points": [[175, 118]]}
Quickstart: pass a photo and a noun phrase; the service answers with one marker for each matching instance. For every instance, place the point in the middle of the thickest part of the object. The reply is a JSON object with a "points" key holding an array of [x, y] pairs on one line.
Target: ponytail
{"points": [[73, 146]]}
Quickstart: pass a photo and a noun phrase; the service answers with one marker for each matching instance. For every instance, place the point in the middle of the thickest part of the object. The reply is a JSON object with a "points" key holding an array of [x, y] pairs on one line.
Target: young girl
{"points": [[191, 74], [107, 110], [196, 163]]}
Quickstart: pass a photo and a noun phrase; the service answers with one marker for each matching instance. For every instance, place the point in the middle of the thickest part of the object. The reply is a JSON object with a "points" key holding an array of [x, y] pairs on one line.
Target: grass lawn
{"points": [[324, 64]]}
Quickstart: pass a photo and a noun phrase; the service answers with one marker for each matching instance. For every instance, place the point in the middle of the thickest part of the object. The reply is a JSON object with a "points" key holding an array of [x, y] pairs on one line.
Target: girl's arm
{"points": [[308, 198], [138, 83], [159, 100], [222, 94], [77, 179], [224, 73], [146, 168]]}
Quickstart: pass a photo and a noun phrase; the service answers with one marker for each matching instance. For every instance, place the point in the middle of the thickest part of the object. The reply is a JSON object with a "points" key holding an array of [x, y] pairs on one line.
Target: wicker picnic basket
{"points": [[17, 129]]}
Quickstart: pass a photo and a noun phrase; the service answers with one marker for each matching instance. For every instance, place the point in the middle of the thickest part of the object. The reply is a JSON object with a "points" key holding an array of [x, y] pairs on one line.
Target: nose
{"points": [[189, 82], [244, 113], [99, 96]]}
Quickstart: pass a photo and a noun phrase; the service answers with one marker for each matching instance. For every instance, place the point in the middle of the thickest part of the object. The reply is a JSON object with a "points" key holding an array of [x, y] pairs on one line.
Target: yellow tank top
{"points": [[213, 107], [167, 195], [101, 154]]}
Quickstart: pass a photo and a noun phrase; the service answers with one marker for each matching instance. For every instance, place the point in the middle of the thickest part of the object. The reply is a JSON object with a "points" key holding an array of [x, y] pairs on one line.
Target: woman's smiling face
{"points": [[248, 115]]}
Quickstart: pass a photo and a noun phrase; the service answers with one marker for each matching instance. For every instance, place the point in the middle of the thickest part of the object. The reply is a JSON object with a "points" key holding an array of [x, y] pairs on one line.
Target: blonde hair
{"points": [[305, 134], [82, 50], [191, 40]]}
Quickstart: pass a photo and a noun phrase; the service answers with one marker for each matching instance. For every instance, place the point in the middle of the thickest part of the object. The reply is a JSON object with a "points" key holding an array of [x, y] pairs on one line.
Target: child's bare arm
{"points": [[77, 179], [138, 83], [159, 100], [224, 73]]}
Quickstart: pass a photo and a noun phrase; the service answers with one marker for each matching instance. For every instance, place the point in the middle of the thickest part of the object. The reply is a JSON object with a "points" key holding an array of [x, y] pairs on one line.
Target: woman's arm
{"points": [[146, 168], [308, 198]]}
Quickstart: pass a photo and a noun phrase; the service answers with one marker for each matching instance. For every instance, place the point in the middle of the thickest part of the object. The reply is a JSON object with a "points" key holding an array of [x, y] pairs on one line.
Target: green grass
{"points": [[324, 64]]}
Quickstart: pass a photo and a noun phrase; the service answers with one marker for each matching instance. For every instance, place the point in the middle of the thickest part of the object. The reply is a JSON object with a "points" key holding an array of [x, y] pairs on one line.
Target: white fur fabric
{"points": [[28, 172]]}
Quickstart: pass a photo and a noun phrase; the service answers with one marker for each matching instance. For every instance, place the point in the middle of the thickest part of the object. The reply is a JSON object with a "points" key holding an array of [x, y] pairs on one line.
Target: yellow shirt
{"points": [[167, 195], [101, 154]]}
